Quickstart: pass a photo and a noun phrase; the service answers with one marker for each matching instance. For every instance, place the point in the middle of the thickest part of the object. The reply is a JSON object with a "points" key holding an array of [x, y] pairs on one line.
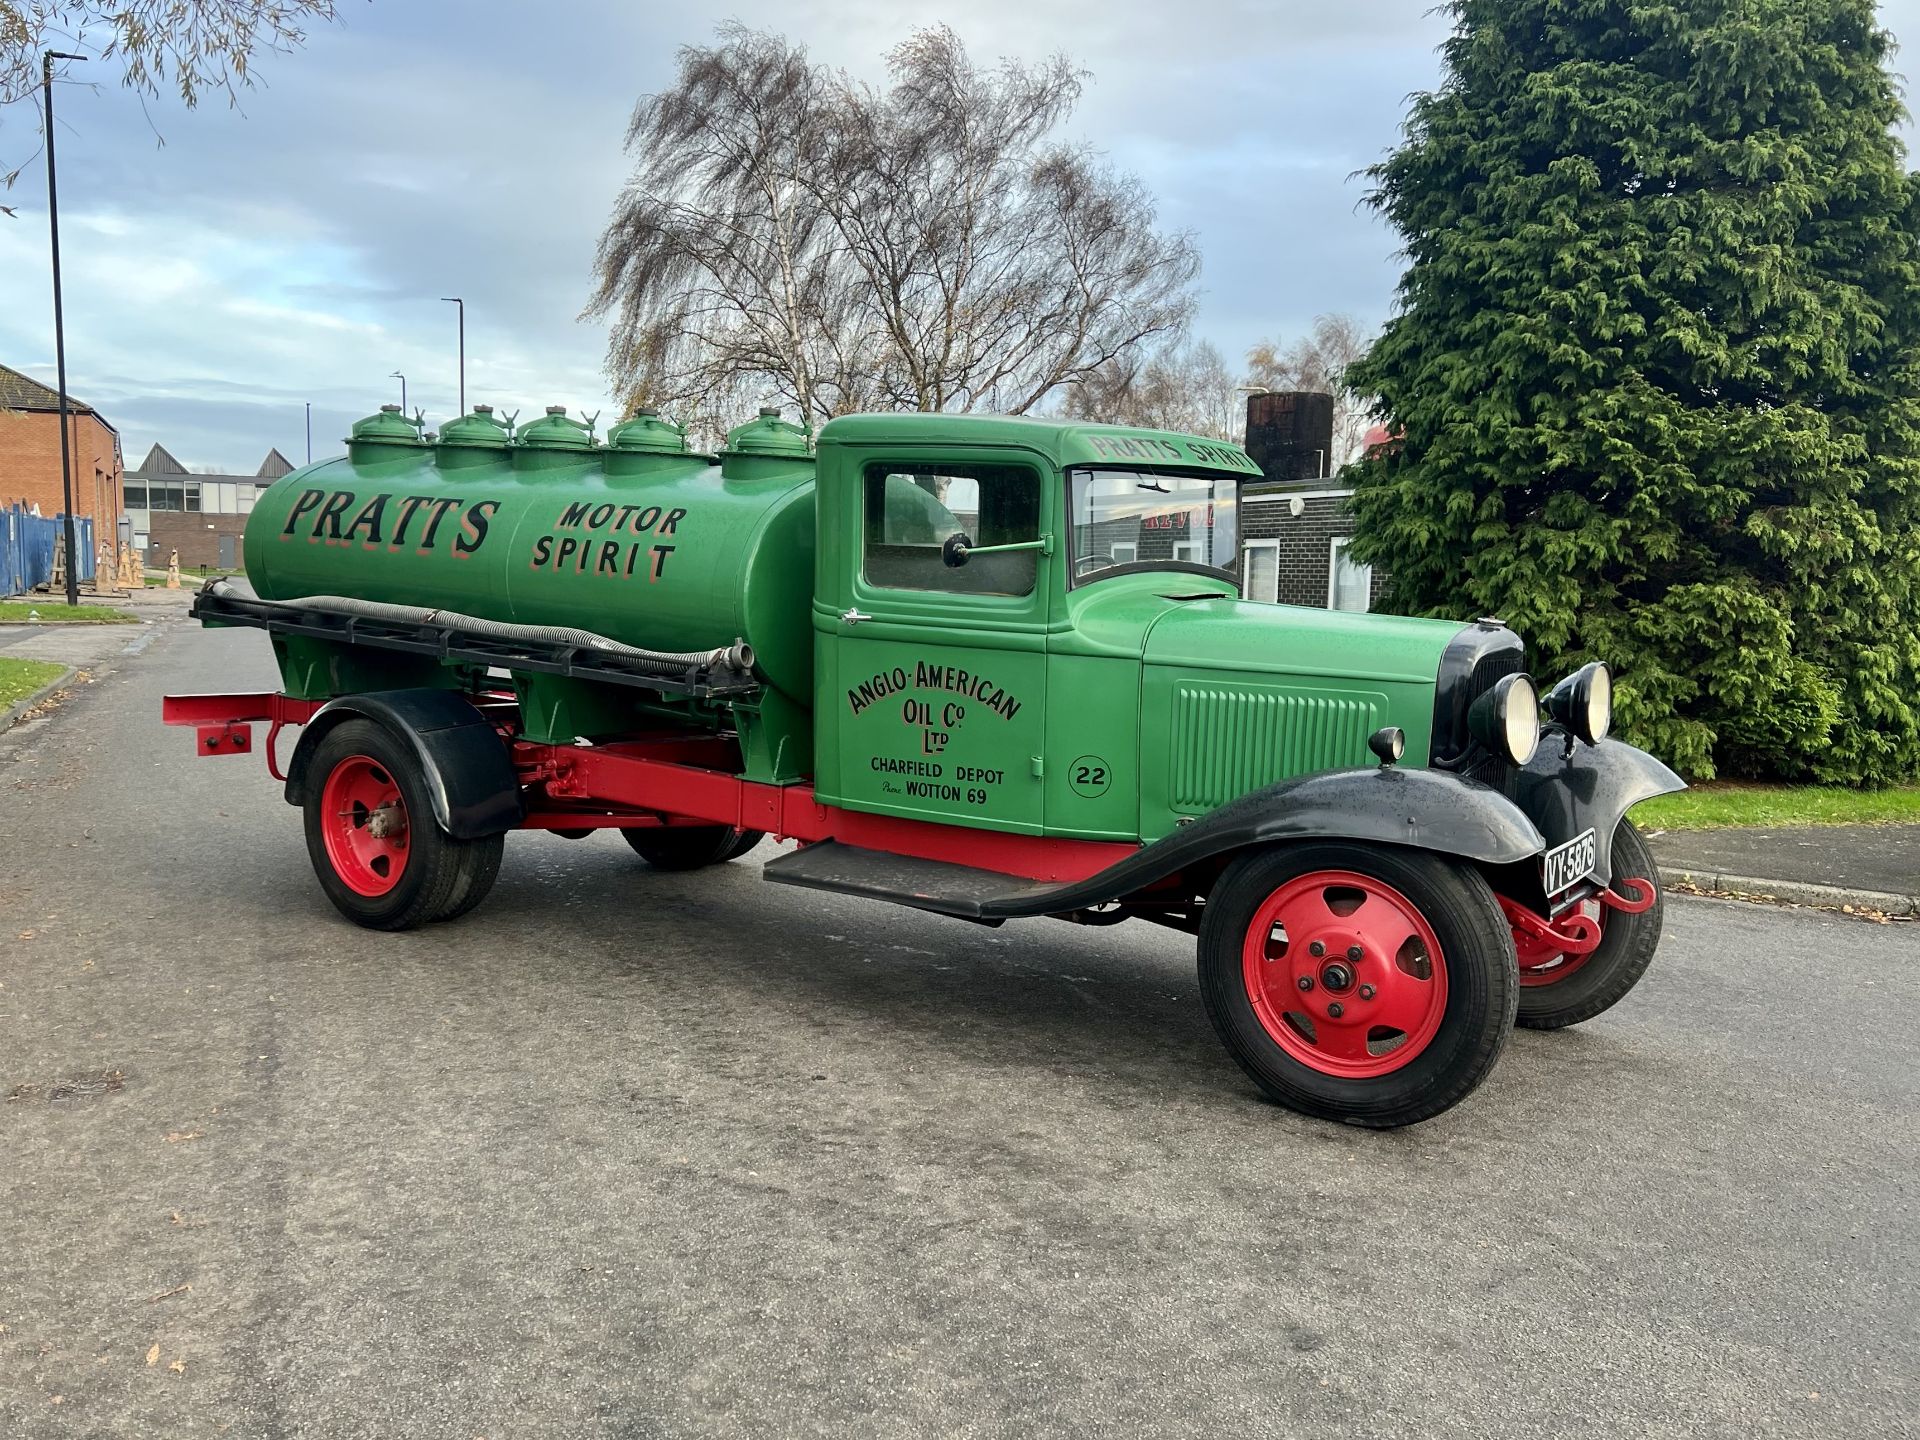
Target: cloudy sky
{"points": [[294, 250]]}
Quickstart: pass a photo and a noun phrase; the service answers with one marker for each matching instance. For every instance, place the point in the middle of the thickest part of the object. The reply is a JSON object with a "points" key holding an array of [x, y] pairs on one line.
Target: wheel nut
{"points": [[1354, 952], [1336, 1009], [1366, 992], [1306, 982], [1316, 948]]}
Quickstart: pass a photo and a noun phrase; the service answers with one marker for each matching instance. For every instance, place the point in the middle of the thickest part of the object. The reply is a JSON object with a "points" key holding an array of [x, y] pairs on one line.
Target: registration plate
{"points": [[1570, 863]]}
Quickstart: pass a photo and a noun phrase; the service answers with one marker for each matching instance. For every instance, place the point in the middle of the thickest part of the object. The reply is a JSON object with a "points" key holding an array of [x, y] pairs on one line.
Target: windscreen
{"points": [[1150, 518]]}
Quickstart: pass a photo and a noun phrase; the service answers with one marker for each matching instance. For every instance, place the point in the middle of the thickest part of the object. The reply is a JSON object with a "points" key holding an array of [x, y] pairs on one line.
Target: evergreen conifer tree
{"points": [[1654, 368]]}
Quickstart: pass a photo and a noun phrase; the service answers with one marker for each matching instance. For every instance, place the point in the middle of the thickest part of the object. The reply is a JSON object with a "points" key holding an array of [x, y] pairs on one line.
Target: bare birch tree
{"points": [[1182, 386], [188, 46], [925, 246]]}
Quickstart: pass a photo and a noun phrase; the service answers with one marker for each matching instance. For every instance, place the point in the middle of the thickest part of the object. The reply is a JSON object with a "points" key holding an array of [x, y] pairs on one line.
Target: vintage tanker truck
{"points": [[985, 667]]}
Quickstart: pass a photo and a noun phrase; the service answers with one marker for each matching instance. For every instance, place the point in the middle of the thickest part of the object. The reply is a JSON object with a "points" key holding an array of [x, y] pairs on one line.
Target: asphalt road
{"points": [[631, 1154]]}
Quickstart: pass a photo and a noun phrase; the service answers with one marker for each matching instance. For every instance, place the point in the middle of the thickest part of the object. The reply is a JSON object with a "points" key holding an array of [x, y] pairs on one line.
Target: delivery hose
{"points": [[737, 656]]}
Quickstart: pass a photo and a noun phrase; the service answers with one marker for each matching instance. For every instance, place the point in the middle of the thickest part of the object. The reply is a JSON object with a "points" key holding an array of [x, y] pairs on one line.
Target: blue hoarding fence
{"points": [[27, 546]]}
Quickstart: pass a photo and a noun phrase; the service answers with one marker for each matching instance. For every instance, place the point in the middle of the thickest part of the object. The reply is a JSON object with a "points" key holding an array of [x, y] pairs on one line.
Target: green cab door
{"points": [[933, 676]]}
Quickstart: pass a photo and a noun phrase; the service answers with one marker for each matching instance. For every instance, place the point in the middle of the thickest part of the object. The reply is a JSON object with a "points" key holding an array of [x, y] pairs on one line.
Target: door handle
{"points": [[854, 616]]}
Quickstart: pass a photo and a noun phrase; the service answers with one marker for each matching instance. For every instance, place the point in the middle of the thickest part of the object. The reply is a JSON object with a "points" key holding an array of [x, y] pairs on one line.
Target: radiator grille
{"points": [[1230, 739]]}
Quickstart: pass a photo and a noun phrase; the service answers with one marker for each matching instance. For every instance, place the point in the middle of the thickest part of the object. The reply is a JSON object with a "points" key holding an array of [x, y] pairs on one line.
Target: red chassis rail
{"points": [[676, 779]]}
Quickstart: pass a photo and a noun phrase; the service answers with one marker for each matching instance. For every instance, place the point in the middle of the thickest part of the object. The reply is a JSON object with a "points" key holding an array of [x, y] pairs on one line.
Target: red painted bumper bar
{"points": [[679, 779]]}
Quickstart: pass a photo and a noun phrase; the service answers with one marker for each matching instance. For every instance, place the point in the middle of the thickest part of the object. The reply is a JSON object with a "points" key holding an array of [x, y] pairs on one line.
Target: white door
{"points": [[1262, 571]]}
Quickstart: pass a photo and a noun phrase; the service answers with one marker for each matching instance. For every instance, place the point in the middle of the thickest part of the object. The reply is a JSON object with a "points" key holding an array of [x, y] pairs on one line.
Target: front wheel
{"points": [[1356, 983], [1558, 989]]}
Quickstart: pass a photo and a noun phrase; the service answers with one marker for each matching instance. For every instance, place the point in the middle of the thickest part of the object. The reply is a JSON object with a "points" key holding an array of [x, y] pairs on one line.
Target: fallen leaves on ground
{"points": [[174, 1137], [1685, 886], [153, 1356]]}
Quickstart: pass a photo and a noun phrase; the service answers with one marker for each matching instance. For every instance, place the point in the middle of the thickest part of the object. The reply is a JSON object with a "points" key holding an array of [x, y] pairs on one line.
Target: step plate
{"points": [[937, 885]]}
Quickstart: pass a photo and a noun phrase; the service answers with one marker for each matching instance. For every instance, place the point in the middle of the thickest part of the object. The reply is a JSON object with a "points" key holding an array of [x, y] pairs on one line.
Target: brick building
{"points": [[30, 454], [200, 515]]}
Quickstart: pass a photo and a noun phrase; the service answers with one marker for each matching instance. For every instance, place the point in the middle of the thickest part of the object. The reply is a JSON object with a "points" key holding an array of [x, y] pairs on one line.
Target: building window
{"points": [[136, 496], [1262, 569], [1349, 585], [192, 488]]}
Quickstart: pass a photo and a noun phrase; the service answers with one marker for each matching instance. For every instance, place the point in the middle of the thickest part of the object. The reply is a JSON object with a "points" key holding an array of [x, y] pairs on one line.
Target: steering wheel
{"points": [[1086, 563]]}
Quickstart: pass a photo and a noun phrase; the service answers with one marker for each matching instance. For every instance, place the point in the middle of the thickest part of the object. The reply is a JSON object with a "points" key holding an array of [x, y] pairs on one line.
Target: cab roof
{"points": [[1065, 442]]}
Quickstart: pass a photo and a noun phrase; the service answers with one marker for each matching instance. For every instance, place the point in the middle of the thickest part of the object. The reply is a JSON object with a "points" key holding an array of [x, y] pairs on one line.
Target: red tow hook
{"points": [[1577, 934], [1642, 892]]}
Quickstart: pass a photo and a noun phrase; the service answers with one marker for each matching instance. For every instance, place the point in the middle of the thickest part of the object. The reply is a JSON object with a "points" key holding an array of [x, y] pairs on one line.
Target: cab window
{"points": [[911, 510], [1148, 520]]}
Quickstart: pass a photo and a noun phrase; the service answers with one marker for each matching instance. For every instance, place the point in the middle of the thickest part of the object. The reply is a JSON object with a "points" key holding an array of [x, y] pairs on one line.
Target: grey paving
{"points": [[1883, 858], [628, 1154]]}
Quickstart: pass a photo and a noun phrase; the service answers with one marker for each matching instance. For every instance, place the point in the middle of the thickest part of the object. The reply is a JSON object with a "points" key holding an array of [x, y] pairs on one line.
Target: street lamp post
{"points": [[60, 329], [456, 300], [403, 390]]}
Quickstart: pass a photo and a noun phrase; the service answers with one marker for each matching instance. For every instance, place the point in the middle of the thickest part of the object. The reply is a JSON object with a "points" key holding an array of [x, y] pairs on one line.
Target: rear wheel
{"points": [[479, 868], [1368, 985], [690, 847], [380, 857], [1559, 989]]}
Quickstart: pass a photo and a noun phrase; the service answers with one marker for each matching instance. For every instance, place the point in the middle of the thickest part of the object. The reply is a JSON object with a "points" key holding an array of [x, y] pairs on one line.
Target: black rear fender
{"points": [[468, 769]]}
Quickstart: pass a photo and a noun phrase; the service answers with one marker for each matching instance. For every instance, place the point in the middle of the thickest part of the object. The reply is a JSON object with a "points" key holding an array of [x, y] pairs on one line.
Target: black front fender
{"points": [[468, 770], [1419, 809], [1592, 787]]}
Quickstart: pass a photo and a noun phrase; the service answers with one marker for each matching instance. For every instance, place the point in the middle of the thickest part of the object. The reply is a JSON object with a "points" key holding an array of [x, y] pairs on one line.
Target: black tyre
{"points": [[479, 868], [690, 847], [371, 835], [1358, 983], [1558, 990]]}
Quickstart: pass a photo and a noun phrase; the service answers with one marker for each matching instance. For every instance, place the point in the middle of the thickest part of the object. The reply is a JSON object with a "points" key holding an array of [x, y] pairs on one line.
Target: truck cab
{"points": [[1031, 626]]}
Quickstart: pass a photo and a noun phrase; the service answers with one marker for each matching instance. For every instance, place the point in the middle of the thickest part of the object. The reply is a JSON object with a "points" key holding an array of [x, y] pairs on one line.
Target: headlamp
{"points": [[1507, 719], [1583, 702]]}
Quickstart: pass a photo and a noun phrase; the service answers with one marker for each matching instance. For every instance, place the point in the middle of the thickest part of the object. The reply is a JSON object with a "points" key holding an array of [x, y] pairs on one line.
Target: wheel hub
{"points": [[364, 825], [1345, 974], [389, 822]]}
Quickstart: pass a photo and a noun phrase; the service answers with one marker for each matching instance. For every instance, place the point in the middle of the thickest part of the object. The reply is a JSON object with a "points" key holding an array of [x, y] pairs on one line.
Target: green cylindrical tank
{"points": [[640, 540]]}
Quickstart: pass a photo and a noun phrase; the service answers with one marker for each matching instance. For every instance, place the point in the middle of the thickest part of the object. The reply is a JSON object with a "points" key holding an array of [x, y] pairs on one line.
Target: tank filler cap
{"points": [[768, 435], [479, 429], [555, 430], [389, 427], [647, 434]]}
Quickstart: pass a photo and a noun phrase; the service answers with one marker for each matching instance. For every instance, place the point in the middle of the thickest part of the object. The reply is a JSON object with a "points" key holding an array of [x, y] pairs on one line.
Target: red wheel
{"points": [[1345, 974], [365, 825], [1560, 988], [1370, 984], [379, 854]]}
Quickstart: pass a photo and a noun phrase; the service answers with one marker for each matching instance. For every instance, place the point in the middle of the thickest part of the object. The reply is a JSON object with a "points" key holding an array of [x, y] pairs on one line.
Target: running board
{"points": [[984, 896]]}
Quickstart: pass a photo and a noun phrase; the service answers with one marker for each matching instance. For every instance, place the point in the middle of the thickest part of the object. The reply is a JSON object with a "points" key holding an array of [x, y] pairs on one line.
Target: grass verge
{"points": [[39, 612], [1721, 803], [20, 678]]}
